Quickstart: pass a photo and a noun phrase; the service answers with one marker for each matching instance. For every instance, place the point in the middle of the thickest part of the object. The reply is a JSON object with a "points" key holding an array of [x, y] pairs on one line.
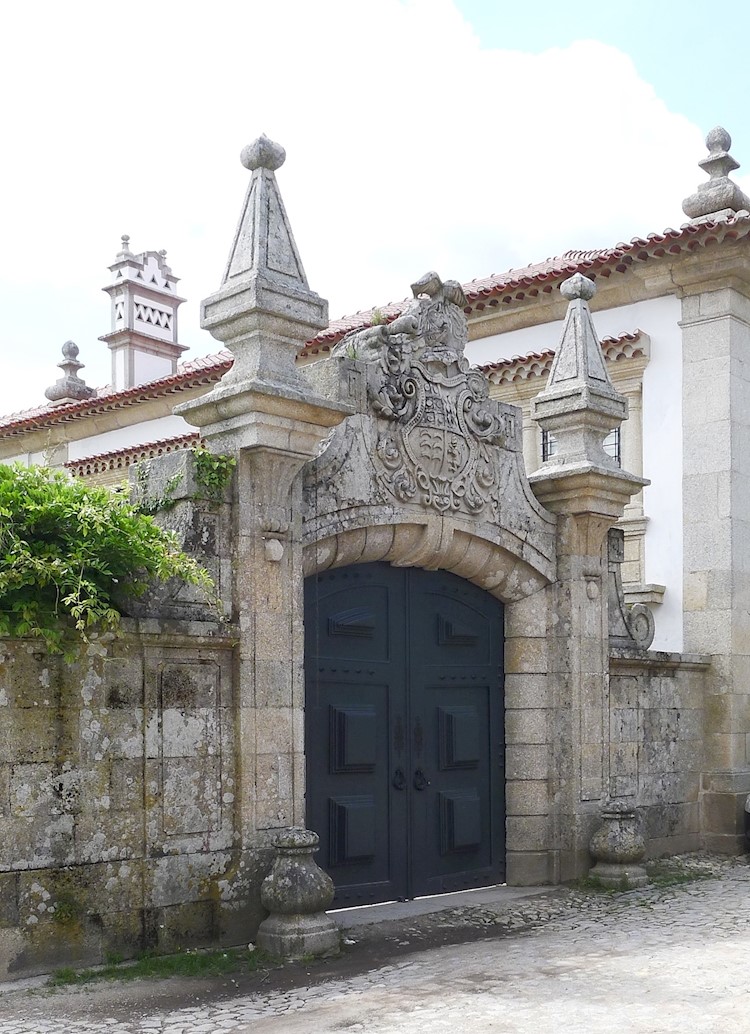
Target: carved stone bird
{"points": [[431, 285]]}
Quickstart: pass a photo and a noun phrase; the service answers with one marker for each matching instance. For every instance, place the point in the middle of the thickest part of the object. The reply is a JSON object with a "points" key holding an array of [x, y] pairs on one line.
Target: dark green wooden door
{"points": [[404, 731]]}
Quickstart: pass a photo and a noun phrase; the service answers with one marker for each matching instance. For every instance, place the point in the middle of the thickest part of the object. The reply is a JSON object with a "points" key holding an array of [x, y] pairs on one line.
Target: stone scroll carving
{"points": [[630, 628], [434, 448], [425, 438]]}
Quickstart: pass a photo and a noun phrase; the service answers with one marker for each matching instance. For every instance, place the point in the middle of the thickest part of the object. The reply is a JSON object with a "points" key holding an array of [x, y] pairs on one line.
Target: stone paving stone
{"points": [[653, 961]]}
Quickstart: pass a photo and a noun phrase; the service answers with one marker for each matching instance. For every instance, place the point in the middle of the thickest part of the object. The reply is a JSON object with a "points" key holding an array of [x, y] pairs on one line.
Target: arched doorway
{"points": [[404, 731]]}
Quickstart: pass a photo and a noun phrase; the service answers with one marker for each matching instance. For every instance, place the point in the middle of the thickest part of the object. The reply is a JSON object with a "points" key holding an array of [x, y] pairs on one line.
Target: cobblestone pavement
{"points": [[654, 961]]}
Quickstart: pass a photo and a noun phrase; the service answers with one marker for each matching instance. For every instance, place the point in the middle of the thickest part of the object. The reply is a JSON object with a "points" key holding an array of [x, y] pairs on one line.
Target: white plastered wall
{"points": [[662, 434], [151, 367], [127, 437]]}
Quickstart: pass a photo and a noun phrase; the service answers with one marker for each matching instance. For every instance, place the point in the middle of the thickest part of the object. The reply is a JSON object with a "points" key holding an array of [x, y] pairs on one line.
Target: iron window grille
{"points": [[611, 444]]}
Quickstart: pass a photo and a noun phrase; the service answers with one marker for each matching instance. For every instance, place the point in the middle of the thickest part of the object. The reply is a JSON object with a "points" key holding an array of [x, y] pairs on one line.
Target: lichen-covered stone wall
{"points": [[656, 744], [117, 790]]}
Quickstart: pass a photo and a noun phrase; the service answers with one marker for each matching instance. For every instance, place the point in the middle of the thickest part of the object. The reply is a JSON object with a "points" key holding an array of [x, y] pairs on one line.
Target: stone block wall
{"points": [[117, 798], [657, 743], [528, 721]]}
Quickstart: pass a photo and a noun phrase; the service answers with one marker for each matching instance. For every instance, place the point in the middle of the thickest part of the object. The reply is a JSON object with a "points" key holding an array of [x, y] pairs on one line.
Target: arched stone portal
{"points": [[522, 800], [426, 475]]}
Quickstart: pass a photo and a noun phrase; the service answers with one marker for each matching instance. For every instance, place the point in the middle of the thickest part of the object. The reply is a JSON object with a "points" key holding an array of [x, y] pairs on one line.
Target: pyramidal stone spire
{"points": [[264, 243], [579, 404], [263, 313], [720, 196], [264, 310]]}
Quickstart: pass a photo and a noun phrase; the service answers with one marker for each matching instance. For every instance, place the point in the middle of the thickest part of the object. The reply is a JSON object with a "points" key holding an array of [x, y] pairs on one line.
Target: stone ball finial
{"points": [[578, 286], [263, 154], [717, 139], [69, 387]]}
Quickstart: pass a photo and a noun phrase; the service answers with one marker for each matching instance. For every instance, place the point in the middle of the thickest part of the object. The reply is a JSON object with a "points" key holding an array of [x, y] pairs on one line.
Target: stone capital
{"points": [[594, 496], [249, 414]]}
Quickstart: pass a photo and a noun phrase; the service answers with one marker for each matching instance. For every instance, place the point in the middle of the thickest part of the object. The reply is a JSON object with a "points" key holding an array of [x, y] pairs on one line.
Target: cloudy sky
{"points": [[467, 136]]}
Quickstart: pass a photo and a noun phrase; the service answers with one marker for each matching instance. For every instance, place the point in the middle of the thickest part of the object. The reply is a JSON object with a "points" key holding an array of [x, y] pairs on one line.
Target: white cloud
{"points": [[409, 147]]}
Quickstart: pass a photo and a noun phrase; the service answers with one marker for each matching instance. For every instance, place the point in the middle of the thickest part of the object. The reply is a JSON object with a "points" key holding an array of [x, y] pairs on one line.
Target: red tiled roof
{"points": [[542, 277], [495, 290], [516, 284], [121, 459], [536, 364], [193, 374]]}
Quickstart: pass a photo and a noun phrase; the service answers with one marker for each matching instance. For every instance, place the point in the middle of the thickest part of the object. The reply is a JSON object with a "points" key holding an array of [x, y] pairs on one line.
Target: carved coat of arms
{"points": [[437, 425]]}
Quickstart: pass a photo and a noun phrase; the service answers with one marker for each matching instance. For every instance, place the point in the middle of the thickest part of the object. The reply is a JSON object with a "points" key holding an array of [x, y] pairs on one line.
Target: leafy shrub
{"points": [[68, 550]]}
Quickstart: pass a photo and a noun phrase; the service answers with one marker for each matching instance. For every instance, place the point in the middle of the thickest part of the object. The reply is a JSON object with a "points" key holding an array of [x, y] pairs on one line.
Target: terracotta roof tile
{"points": [[536, 364], [121, 459], [204, 370]]}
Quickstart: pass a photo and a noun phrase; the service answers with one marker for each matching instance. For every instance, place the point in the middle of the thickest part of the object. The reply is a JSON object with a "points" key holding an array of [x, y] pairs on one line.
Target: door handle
{"points": [[399, 779], [421, 782]]}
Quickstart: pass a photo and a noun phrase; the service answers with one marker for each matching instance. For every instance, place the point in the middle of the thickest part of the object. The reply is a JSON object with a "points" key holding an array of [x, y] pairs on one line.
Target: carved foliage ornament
{"points": [[437, 427]]}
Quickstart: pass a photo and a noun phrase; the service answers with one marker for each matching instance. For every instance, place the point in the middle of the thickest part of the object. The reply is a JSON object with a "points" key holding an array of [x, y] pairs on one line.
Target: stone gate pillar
{"points": [[584, 487], [716, 557], [270, 418], [716, 489]]}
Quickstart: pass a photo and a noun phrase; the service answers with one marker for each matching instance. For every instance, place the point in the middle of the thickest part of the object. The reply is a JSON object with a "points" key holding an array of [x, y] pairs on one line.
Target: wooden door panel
{"points": [[351, 622], [404, 731], [458, 818], [351, 805], [354, 709]]}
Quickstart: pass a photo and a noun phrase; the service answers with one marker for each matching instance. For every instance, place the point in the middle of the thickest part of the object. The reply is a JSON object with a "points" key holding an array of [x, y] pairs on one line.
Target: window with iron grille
{"points": [[549, 445], [611, 445]]}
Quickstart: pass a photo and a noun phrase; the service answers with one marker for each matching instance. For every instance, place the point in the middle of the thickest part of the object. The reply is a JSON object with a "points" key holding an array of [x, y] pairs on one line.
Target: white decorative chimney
{"points": [[143, 339]]}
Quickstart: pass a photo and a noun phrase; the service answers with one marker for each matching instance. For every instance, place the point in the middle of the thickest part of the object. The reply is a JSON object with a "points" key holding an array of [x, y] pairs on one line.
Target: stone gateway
{"points": [[426, 660]]}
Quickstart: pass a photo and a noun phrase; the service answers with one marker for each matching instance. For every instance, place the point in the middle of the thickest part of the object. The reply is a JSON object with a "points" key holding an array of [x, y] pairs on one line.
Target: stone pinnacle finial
{"points": [[124, 251], [70, 387], [578, 286], [263, 154], [579, 405], [579, 359], [717, 139], [720, 197], [264, 244]]}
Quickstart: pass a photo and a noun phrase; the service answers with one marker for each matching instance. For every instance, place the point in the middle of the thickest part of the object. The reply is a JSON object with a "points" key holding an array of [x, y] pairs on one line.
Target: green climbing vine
{"points": [[152, 505], [68, 551], [213, 471]]}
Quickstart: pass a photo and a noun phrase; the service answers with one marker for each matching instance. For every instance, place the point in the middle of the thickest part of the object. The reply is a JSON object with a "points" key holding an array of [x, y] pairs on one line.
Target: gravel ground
{"points": [[652, 961]]}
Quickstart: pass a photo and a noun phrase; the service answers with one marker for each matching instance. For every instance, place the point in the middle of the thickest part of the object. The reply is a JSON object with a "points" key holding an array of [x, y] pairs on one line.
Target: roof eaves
{"points": [[190, 375]]}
